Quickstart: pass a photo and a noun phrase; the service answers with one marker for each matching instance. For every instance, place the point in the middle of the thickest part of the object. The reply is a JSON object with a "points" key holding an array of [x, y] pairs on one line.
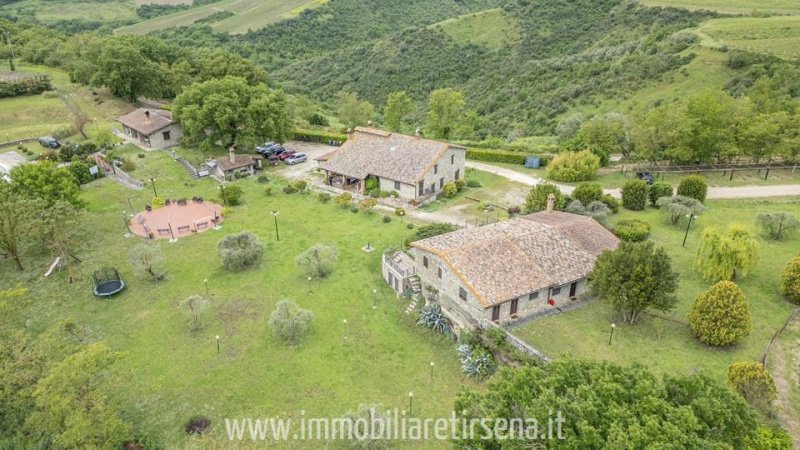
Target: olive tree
{"points": [[317, 261], [194, 305], [147, 260], [240, 251], [678, 209], [777, 225], [290, 324]]}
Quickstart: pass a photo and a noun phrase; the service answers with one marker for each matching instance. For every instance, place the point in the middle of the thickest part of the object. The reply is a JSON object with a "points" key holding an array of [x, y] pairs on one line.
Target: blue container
{"points": [[532, 162]]}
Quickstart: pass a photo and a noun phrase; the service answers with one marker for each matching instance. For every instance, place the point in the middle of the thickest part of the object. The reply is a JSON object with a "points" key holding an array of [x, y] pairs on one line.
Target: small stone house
{"points": [[504, 272], [151, 128], [414, 167], [232, 165], [8, 161]]}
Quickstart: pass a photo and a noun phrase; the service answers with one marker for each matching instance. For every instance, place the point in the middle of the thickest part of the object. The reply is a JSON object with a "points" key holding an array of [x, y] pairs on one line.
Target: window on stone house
{"points": [[396, 185], [452, 159], [166, 135], [556, 291], [462, 293], [533, 295], [439, 272], [435, 169], [425, 261]]}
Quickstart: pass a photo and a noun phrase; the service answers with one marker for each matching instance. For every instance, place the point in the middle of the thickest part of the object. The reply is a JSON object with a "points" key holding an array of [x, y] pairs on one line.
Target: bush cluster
{"points": [[658, 190], [632, 230], [634, 195], [693, 186], [574, 166], [721, 316]]}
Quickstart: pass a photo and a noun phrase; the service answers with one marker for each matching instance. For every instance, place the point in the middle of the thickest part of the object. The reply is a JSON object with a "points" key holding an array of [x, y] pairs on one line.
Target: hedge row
{"points": [[24, 86], [500, 156], [318, 136]]}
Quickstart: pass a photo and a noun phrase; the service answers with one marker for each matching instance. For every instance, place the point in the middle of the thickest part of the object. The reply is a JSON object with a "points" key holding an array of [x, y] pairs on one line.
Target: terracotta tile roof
{"points": [[369, 151], [509, 259], [240, 161], [139, 121]]}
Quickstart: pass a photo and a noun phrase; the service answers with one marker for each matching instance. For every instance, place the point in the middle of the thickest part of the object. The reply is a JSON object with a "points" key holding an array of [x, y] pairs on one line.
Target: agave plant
{"points": [[477, 363], [432, 317]]}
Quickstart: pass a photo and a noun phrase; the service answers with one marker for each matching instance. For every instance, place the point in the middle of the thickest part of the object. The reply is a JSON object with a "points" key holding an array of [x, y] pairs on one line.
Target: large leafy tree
{"points": [[229, 111], [72, 409], [59, 228], [635, 277], [753, 381], [317, 261], [127, 71], [17, 218], [47, 182], [446, 109], [602, 405], [712, 115], [399, 106], [726, 256], [602, 135], [353, 111]]}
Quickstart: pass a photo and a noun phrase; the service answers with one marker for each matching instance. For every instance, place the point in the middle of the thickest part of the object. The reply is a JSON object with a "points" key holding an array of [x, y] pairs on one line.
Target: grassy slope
{"points": [[732, 6], [172, 374], [779, 36], [664, 345], [248, 14], [492, 28], [48, 11]]}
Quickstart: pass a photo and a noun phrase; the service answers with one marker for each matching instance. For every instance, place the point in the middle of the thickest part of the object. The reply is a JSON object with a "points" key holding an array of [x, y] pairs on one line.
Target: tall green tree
{"points": [[17, 219], [446, 108], [353, 111], [602, 135], [635, 277], [726, 256], [228, 111], [47, 182], [712, 115], [662, 133], [123, 67], [59, 228], [72, 408], [221, 63], [399, 106]]}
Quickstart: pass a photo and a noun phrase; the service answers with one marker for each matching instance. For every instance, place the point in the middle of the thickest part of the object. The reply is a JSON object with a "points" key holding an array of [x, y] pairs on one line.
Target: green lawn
{"points": [[172, 374], [492, 28], [733, 6], [248, 15], [95, 11], [779, 36], [667, 346]]}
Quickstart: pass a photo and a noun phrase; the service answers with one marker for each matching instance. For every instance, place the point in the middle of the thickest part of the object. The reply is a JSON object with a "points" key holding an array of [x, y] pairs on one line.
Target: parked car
{"points": [[273, 150], [49, 142], [296, 158], [645, 175], [286, 154], [266, 147]]}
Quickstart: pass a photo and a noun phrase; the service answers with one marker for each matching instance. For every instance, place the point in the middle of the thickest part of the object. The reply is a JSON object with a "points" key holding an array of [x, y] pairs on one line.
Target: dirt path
{"points": [[779, 359], [718, 193]]}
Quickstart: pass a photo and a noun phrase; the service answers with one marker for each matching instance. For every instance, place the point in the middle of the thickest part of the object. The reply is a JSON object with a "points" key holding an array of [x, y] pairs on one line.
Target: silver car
{"points": [[296, 158]]}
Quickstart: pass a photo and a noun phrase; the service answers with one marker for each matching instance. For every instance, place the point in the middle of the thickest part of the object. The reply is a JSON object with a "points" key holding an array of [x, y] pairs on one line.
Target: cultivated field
{"points": [[248, 15], [779, 36], [733, 6], [90, 11]]}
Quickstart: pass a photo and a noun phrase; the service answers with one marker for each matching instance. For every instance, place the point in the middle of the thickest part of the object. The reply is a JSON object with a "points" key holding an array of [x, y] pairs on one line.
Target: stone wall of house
{"points": [[406, 191], [157, 140], [527, 306], [449, 165]]}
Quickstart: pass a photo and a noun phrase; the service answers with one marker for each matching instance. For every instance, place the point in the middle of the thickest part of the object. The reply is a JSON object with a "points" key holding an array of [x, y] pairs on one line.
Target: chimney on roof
{"points": [[551, 202], [232, 154], [146, 115]]}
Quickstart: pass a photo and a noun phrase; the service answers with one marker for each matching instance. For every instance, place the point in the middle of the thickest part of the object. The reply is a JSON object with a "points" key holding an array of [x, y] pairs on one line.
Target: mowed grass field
{"points": [[171, 374], [248, 15], [90, 11], [667, 345], [492, 28], [732, 6], [779, 36]]}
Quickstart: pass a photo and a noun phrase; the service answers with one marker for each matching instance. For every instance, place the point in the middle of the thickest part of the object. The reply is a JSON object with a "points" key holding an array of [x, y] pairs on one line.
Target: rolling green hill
{"points": [[779, 36], [493, 29], [733, 6]]}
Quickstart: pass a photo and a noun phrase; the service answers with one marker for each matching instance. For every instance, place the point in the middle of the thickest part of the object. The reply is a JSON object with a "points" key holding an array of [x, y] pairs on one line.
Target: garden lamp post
{"points": [[610, 336], [431, 370], [205, 282], [410, 402], [277, 234], [218, 344], [374, 298], [222, 191], [153, 183], [344, 325], [691, 217]]}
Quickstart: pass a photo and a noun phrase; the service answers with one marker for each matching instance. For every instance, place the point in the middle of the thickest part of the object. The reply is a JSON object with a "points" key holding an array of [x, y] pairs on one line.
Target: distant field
{"points": [[778, 36], [53, 10], [248, 14], [733, 6], [491, 28]]}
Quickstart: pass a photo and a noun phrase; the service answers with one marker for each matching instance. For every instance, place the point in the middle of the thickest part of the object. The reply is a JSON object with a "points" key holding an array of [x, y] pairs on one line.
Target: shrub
{"points": [[432, 317], [460, 183], [240, 251], [777, 225], [721, 316], [537, 197], [790, 280], [611, 202], [769, 438], [386, 219], [430, 230], [140, 155], [343, 199], [587, 193], [726, 256], [318, 136], [127, 165], [317, 261], [290, 324], [354, 209], [262, 179], [231, 195], [658, 190], [514, 210], [367, 205], [596, 210], [632, 230], [324, 197], [394, 194], [147, 260], [289, 189], [374, 193], [473, 184], [157, 202], [476, 361], [693, 186], [300, 185], [496, 156], [399, 211], [752, 381], [574, 166], [371, 184], [449, 190], [677, 209], [268, 191], [634, 195]]}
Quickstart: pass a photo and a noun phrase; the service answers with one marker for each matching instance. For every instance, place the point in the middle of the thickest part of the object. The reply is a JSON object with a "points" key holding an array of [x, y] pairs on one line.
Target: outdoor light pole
{"points": [[153, 182], [218, 344], [431, 370], [610, 336], [691, 217], [344, 324], [374, 298], [222, 191], [277, 234], [410, 402], [205, 282]]}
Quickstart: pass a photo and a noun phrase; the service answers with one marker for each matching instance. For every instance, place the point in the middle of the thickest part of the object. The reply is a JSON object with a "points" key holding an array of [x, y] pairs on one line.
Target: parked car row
{"points": [[271, 149]]}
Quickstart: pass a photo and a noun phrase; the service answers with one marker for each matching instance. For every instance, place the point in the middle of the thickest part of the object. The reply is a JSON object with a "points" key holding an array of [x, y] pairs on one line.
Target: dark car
{"points": [[286, 154], [49, 142], [266, 147], [296, 158], [272, 150], [645, 175]]}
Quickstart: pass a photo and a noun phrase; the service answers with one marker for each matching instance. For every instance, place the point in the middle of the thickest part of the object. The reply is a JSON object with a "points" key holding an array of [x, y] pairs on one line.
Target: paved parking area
{"points": [[312, 149]]}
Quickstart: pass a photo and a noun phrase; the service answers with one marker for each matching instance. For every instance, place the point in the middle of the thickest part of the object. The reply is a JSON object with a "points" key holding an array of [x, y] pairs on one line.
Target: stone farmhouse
{"points": [[232, 165], [504, 272], [414, 167], [151, 128]]}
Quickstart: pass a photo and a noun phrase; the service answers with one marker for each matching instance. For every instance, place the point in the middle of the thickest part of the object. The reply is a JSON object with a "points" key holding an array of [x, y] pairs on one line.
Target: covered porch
{"points": [[400, 271], [344, 182]]}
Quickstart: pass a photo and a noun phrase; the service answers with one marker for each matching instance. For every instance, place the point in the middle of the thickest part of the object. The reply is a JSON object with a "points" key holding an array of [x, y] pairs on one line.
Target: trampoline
{"points": [[107, 282]]}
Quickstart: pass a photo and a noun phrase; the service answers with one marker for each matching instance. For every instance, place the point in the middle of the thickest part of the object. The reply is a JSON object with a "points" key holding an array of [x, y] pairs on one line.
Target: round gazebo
{"points": [[107, 282]]}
